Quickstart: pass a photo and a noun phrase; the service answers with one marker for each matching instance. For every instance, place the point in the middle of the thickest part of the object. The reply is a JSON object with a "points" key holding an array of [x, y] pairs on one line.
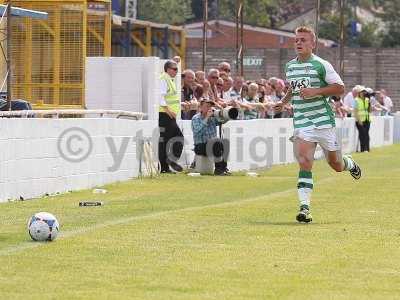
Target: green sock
{"points": [[304, 188], [348, 163]]}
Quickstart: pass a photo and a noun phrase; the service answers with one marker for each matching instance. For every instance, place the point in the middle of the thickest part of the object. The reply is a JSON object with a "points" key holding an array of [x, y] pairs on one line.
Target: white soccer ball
{"points": [[43, 226]]}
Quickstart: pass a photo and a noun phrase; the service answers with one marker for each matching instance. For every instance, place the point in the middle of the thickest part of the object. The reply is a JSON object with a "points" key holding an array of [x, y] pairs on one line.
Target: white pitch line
{"points": [[29, 245]]}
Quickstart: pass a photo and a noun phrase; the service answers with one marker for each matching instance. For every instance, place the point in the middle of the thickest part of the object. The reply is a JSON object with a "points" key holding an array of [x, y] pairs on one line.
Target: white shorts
{"points": [[325, 137]]}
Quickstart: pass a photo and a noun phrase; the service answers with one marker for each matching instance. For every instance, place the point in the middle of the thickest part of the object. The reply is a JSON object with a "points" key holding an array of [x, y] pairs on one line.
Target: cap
{"points": [[369, 90], [359, 88]]}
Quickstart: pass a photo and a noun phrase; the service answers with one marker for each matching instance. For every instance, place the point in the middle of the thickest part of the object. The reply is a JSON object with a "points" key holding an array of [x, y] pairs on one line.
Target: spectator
{"points": [[275, 86], [224, 67], [337, 106], [206, 90], [177, 59], [220, 87], [253, 103], [362, 108], [387, 102], [228, 83], [223, 75], [204, 127], [169, 153], [349, 99], [236, 90], [188, 100], [380, 109], [200, 77], [199, 93], [212, 77], [245, 90]]}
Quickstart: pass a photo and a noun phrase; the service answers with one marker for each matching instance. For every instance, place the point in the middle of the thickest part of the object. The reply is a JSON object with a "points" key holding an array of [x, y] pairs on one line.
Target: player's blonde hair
{"points": [[306, 30]]}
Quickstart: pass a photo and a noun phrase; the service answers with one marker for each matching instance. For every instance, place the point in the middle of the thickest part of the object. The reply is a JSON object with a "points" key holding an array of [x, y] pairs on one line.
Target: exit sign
{"points": [[252, 61]]}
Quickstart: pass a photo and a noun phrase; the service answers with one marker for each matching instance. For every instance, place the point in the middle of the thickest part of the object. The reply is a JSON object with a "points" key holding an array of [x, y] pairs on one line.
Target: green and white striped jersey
{"points": [[315, 73]]}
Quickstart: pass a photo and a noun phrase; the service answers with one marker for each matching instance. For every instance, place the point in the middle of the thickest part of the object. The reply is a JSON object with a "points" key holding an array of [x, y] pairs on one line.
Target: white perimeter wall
{"points": [[31, 164], [125, 83], [396, 128]]}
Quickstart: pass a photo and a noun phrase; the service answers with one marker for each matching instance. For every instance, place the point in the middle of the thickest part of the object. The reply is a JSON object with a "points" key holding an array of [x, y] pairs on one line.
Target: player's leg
{"points": [[304, 152], [328, 141]]}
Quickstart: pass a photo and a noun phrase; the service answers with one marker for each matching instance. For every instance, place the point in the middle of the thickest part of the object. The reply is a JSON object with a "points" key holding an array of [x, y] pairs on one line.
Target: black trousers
{"points": [[216, 148], [363, 135], [170, 144]]}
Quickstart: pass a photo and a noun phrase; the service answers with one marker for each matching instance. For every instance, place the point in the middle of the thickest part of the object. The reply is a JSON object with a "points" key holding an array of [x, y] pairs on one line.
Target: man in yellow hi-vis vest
{"points": [[170, 145], [362, 108]]}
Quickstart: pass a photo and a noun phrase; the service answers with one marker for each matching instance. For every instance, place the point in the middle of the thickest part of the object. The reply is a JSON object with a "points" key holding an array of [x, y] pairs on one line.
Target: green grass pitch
{"points": [[181, 237]]}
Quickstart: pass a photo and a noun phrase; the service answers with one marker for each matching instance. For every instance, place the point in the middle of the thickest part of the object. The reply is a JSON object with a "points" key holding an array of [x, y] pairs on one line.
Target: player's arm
{"points": [[329, 90]]}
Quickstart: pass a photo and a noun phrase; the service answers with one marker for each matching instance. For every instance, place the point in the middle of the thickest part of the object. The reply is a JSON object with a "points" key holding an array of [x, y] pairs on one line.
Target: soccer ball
{"points": [[43, 226]]}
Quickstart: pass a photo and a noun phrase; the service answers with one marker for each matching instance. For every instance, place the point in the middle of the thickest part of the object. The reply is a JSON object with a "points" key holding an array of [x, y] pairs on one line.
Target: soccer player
{"points": [[312, 81]]}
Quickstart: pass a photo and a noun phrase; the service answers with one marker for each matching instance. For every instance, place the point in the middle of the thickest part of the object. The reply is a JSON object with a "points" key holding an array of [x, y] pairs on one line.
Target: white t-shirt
{"points": [[349, 100], [233, 95], [387, 102], [226, 96], [163, 90]]}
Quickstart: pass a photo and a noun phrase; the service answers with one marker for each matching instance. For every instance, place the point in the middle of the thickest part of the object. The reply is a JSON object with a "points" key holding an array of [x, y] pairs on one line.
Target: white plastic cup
{"points": [[99, 191], [252, 174], [194, 174]]}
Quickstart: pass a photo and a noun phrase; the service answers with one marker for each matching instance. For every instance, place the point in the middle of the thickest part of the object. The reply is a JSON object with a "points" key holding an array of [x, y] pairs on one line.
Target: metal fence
{"points": [[48, 56]]}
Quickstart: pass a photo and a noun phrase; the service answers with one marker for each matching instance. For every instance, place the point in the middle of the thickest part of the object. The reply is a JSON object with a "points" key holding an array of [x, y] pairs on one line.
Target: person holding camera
{"points": [[206, 141], [170, 145]]}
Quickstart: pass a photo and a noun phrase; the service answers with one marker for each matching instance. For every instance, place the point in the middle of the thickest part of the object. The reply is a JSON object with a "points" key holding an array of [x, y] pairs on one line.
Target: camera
{"points": [[226, 114], [369, 93]]}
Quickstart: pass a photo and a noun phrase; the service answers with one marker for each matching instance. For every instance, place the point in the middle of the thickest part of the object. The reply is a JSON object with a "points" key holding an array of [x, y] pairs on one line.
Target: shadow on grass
{"points": [[294, 223]]}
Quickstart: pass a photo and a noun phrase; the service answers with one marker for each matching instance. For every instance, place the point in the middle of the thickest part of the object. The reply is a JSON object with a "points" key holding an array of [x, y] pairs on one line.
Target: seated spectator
{"points": [[274, 89], [224, 67], [198, 93], [199, 77], [212, 77], [177, 59], [245, 90], [228, 83], [188, 100], [236, 90], [337, 106], [206, 90], [253, 104]]}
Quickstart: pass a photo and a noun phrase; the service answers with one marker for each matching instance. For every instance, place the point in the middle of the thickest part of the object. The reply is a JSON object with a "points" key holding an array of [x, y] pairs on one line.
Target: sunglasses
{"points": [[214, 77], [175, 69]]}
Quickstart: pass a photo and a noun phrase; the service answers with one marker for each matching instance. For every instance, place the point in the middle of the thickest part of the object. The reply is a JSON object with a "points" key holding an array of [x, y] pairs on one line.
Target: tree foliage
{"points": [[271, 13], [165, 11], [391, 17], [330, 24]]}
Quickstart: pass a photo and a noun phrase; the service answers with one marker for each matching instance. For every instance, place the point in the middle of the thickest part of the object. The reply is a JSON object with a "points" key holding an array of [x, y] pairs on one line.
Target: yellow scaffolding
{"points": [[48, 56], [132, 37]]}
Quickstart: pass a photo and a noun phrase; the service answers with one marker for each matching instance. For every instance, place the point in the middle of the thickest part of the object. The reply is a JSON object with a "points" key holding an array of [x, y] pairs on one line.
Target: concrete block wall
{"points": [[32, 164], [125, 83], [376, 68]]}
